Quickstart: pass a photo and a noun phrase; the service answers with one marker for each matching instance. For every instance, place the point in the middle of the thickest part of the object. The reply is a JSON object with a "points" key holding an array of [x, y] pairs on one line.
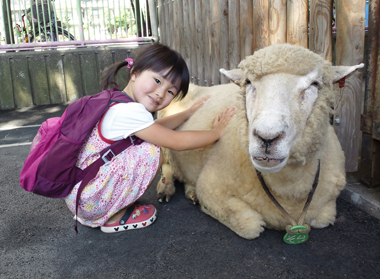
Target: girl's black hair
{"points": [[157, 58]]}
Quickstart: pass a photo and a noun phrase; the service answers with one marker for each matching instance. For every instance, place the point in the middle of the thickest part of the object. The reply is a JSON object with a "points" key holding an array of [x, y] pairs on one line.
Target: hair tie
{"points": [[129, 61]]}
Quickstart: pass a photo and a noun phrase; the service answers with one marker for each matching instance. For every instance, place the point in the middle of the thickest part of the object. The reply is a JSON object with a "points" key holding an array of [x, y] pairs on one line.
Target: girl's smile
{"points": [[152, 90]]}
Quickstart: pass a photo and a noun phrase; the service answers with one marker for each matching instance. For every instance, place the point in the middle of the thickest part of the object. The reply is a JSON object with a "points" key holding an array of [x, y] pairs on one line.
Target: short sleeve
{"points": [[124, 119]]}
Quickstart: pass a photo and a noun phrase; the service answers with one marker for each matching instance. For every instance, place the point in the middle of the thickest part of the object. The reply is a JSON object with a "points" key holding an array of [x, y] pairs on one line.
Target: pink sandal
{"points": [[136, 217]]}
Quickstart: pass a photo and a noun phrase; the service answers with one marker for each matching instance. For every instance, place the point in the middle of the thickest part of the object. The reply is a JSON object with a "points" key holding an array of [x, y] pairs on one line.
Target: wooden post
{"points": [[176, 26], [181, 29], [349, 51], [199, 42], [153, 19], [297, 15], [277, 22], [161, 22], [370, 122], [320, 39], [192, 27], [261, 24], [223, 40], [246, 28], [170, 22], [186, 47], [206, 42], [215, 42], [233, 31]]}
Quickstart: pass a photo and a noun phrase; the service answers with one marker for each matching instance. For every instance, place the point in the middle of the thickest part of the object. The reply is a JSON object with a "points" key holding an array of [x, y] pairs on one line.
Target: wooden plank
{"points": [[170, 21], [186, 48], [349, 51], [234, 31], [370, 161], [372, 62], [176, 22], [181, 27], [277, 22], [89, 72], [375, 14], [320, 38], [56, 77], [6, 86], [73, 80], [193, 49], [21, 81], [223, 39], [297, 20], [199, 42], [246, 28], [161, 21], [38, 78], [206, 42], [261, 23], [167, 18], [215, 42]]}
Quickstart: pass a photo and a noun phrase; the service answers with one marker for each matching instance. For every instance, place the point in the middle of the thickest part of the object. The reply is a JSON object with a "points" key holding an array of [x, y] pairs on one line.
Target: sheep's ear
{"points": [[234, 75], [342, 71]]}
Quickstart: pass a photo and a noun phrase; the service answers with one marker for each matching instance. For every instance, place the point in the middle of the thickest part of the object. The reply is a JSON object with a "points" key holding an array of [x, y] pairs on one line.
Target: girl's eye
{"points": [[171, 92], [157, 81]]}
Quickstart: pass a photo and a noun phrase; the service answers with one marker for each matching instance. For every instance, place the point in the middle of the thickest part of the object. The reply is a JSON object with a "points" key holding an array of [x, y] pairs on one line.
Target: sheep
{"points": [[283, 95]]}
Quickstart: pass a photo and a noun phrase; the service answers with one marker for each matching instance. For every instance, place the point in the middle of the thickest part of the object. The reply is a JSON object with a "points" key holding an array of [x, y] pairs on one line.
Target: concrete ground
{"points": [[37, 239]]}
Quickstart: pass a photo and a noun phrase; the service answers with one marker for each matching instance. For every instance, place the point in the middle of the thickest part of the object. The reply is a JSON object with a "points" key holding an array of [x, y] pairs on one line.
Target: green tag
{"points": [[296, 238]]}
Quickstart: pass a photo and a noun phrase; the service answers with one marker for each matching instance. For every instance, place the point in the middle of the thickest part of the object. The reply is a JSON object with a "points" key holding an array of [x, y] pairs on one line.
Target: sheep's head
{"points": [[289, 93]]}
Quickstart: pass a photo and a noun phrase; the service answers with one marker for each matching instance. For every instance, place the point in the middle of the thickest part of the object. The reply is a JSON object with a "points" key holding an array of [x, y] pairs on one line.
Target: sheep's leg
{"points": [[165, 187], [229, 210], [326, 216], [190, 193]]}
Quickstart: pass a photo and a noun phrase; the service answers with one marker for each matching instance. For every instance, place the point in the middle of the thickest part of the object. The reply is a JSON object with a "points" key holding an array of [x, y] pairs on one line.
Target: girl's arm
{"points": [[173, 121], [186, 140]]}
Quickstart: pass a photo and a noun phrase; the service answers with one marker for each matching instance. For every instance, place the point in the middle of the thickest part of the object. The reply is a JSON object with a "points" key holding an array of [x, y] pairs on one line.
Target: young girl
{"points": [[157, 76]]}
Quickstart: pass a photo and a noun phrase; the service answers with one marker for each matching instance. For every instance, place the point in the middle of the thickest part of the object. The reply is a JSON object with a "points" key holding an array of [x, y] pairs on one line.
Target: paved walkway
{"points": [[37, 239]]}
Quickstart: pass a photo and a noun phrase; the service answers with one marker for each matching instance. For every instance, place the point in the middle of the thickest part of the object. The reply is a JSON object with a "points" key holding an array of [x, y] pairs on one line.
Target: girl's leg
{"points": [[114, 218], [159, 167]]}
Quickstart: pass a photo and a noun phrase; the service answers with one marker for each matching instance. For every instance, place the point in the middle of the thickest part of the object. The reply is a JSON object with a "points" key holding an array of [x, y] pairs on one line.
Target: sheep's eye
{"points": [[315, 83], [247, 81]]}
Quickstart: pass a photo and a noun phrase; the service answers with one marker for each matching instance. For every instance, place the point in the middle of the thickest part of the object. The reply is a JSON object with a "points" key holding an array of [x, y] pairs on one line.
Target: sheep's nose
{"points": [[268, 140]]}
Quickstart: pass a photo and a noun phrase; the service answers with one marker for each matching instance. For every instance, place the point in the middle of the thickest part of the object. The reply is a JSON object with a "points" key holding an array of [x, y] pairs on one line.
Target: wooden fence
{"points": [[213, 34]]}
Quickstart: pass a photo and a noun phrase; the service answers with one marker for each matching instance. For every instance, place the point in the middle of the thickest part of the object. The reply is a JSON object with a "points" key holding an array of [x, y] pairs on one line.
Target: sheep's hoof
{"points": [[165, 191], [192, 196]]}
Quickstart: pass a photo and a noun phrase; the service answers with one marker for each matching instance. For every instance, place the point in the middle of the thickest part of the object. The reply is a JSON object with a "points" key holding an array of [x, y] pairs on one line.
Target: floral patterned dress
{"points": [[118, 183]]}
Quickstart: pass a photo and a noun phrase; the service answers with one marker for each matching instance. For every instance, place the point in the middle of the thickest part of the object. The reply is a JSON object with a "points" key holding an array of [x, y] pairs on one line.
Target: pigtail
{"points": [[109, 75]]}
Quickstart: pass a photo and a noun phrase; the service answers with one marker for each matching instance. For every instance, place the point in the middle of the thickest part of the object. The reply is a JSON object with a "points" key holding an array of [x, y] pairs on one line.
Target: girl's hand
{"points": [[199, 103], [220, 123]]}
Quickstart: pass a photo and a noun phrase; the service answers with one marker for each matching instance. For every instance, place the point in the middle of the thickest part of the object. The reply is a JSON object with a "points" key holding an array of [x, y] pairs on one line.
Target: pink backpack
{"points": [[46, 136]]}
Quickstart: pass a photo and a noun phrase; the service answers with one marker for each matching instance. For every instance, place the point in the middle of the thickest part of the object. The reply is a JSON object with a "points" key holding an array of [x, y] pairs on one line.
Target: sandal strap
{"points": [[127, 214]]}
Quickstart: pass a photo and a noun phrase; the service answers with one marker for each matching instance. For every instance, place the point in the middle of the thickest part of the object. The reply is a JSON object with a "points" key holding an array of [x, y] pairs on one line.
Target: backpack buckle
{"points": [[132, 139], [104, 157]]}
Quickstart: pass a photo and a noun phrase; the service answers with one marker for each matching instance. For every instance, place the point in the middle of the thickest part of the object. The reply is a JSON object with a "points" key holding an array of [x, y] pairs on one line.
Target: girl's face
{"points": [[152, 90]]}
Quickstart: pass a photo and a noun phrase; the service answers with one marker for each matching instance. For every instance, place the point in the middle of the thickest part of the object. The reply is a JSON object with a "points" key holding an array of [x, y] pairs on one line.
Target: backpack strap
{"points": [[106, 155]]}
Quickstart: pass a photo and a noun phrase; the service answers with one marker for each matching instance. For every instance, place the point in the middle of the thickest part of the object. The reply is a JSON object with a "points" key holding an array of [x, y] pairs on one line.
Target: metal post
{"points": [[79, 14]]}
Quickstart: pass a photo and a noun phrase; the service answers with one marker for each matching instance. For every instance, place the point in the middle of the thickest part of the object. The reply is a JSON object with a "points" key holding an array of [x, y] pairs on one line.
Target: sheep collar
{"points": [[297, 232]]}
